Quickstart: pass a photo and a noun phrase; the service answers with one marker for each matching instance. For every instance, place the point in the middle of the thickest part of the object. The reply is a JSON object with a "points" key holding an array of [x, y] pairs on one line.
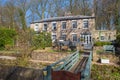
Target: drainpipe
{"points": [[99, 34], [119, 22]]}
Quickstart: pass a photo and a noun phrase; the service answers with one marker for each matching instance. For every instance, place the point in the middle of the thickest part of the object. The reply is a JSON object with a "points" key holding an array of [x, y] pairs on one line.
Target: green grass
{"points": [[101, 43], [105, 72], [50, 50], [7, 53]]}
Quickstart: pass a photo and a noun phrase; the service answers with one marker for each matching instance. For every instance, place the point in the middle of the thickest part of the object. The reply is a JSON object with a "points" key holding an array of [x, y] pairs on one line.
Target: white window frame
{"points": [[76, 37], [64, 38], [87, 22], [53, 39], [62, 25], [36, 27], [53, 26], [102, 39], [73, 23], [44, 26]]}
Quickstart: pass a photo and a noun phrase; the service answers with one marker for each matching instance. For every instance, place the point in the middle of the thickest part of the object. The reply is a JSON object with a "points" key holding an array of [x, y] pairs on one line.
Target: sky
{"points": [[28, 12]]}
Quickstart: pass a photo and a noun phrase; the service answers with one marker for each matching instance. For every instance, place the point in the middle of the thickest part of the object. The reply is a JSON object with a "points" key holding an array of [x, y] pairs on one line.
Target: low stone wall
{"points": [[45, 56], [95, 55], [112, 57]]}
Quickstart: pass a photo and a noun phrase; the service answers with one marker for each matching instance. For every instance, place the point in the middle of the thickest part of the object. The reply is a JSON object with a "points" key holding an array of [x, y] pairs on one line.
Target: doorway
{"points": [[85, 38]]}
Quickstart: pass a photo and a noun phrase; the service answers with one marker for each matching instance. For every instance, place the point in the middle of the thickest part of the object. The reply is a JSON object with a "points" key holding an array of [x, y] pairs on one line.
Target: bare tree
{"points": [[39, 7], [106, 11], [77, 7]]}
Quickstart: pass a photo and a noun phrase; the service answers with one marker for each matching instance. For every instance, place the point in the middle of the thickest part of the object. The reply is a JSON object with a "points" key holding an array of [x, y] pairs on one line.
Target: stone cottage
{"points": [[78, 29]]}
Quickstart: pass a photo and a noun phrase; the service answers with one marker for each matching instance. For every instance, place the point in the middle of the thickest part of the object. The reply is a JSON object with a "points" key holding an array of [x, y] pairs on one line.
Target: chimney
{"points": [[93, 13], [68, 13]]}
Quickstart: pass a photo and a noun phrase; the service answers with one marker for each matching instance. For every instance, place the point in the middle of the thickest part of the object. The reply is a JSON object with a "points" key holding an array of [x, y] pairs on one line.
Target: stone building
{"points": [[74, 28]]}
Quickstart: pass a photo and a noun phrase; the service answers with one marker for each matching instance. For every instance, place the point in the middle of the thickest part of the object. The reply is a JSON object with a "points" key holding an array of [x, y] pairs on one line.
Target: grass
{"points": [[22, 63], [47, 49], [50, 50], [7, 53], [105, 72]]}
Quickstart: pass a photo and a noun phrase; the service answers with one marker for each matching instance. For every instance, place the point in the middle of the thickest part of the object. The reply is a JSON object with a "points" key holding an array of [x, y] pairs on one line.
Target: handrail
{"points": [[64, 60], [68, 63], [87, 71], [47, 70]]}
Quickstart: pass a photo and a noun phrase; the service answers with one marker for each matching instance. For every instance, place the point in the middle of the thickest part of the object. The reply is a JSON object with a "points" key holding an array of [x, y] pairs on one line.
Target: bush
{"points": [[42, 40], [100, 43], [118, 39], [72, 48], [7, 37], [105, 72]]}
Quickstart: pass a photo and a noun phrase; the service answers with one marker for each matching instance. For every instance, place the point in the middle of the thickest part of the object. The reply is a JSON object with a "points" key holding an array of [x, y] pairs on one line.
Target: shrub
{"points": [[100, 43], [42, 40], [105, 72], [72, 48], [118, 39], [7, 37]]}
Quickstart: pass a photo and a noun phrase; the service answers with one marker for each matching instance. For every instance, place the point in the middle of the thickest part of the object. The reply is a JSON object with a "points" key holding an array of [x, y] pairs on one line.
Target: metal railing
{"points": [[68, 63], [85, 74]]}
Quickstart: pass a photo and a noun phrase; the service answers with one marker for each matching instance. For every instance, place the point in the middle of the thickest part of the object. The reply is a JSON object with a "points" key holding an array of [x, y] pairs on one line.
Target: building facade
{"points": [[78, 29]]}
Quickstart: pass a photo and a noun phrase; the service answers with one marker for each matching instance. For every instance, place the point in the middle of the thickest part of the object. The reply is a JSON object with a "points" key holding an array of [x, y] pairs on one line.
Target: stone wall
{"points": [[111, 56], [69, 30], [45, 56], [106, 33]]}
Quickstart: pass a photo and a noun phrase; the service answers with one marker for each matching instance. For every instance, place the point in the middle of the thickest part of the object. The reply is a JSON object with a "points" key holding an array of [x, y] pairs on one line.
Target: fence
{"points": [[62, 68]]}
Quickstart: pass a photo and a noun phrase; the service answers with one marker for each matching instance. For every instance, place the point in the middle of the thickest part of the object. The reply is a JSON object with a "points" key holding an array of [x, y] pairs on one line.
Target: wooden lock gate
{"points": [[74, 67]]}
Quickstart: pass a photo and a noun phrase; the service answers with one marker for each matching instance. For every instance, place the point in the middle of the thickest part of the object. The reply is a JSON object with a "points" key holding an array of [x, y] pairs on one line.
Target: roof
{"points": [[64, 18]]}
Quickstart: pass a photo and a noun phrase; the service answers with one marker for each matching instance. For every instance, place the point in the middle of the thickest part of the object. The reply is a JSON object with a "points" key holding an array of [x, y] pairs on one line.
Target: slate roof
{"points": [[64, 18]]}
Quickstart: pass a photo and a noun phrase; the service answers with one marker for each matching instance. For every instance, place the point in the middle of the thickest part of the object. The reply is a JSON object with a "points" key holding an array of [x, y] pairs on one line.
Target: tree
{"points": [[77, 7], [39, 8], [107, 13]]}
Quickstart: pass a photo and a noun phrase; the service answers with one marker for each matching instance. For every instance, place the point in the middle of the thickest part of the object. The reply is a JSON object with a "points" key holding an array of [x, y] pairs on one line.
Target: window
{"points": [[53, 37], [45, 27], [85, 23], [63, 25], [54, 26], [74, 24], [36, 28], [102, 37], [74, 37], [63, 37], [36, 24]]}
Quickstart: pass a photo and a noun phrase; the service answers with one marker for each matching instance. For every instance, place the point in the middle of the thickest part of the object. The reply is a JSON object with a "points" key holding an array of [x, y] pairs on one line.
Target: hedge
{"points": [[7, 37], [100, 43]]}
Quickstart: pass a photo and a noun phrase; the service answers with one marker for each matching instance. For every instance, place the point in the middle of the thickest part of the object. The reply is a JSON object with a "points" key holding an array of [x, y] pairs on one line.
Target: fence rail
{"points": [[65, 65]]}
